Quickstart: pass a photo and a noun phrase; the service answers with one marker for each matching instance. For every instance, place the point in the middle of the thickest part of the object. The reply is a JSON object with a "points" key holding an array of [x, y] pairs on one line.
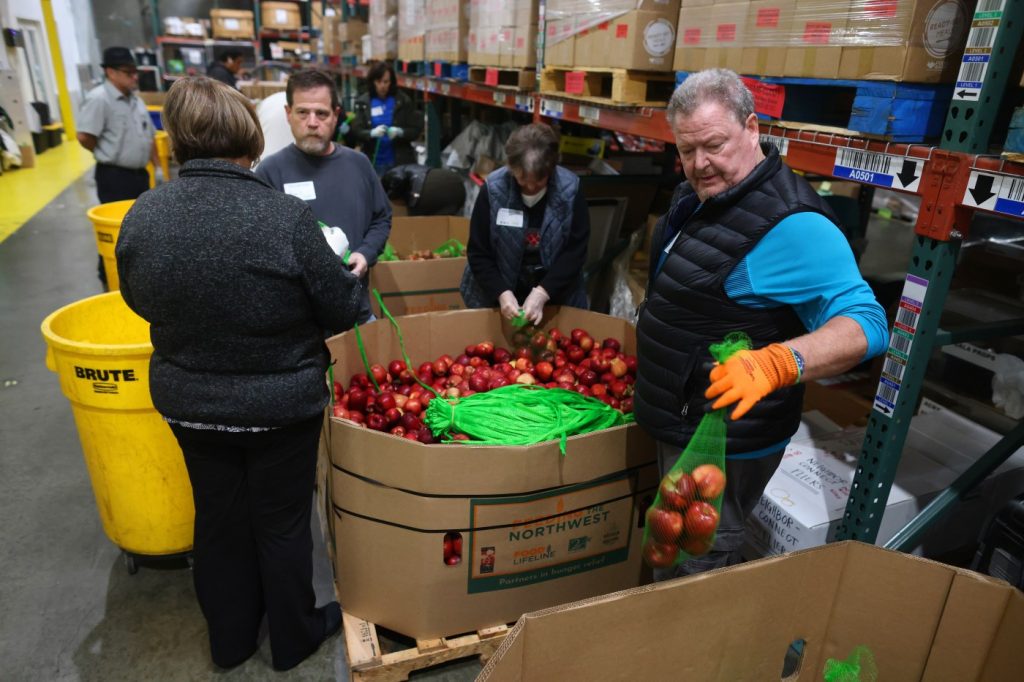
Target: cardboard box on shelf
{"points": [[727, 35], [538, 527], [560, 43], [410, 287], [920, 619], [521, 49], [769, 26], [411, 30], [804, 501], [352, 30], [232, 24], [920, 41], [693, 38], [817, 35], [184, 26], [280, 16], [643, 40]]}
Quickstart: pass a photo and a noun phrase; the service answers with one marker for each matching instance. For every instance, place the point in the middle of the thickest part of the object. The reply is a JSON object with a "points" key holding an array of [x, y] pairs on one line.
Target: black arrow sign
{"points": [[883, 408], [908, 173], [982, 190], [964, 94]]}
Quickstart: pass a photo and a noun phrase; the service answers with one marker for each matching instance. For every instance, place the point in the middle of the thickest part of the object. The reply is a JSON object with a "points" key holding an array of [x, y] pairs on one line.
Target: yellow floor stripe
{"points": [[26, 191]]}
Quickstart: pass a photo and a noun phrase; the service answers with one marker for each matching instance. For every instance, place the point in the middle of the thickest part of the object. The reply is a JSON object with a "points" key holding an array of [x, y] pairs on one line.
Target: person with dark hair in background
{"points": [[386, 120], [240, 288], [115, 126], [529, 232], [226, 68], [337, 183]]}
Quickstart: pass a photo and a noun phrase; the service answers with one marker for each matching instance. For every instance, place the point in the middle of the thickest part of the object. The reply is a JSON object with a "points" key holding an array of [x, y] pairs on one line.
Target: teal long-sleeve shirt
{"points": [[805, 262]]}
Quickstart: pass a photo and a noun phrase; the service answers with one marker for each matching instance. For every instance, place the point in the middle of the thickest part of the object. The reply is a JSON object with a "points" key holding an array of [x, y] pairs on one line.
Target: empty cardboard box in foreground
{"points": [[538, 528], [421, 286], [921, 620]]}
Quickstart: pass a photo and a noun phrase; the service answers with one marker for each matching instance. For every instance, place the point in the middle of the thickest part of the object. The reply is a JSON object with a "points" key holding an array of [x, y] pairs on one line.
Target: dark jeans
{"points": [[253, 548], [745, 482], [114, 183]]}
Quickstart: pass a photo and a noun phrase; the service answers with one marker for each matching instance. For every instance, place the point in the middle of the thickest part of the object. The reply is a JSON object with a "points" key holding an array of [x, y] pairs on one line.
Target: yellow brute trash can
{"points": [[106, 223], [100, 350]]}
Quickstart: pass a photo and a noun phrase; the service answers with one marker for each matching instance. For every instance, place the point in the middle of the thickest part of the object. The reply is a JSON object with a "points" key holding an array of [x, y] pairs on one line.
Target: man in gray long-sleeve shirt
{"points": [[339, 184]]}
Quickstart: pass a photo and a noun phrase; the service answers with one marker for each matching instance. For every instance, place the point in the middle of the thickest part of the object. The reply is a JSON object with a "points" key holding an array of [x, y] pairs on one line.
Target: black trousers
{"points": [[114, 183], [253, 548]]}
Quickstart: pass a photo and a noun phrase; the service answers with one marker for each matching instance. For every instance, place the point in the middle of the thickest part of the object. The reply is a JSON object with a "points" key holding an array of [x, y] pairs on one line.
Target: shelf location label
{"points": [[902, 339], [551, 108], [590, 114], [524, 103], [883, 170], [777, 141]]}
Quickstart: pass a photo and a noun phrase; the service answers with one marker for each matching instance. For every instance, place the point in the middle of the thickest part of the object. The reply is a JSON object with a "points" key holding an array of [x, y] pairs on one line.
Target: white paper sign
{"points": [[302, 190], [508, 217]]}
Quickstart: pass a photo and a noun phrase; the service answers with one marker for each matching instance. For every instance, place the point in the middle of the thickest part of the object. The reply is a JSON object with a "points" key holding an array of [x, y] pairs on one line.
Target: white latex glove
{"points": [[335, 236], [508, 304], [357, 264], [394, 132], [534, 305], [379, 131], [344, 128]]}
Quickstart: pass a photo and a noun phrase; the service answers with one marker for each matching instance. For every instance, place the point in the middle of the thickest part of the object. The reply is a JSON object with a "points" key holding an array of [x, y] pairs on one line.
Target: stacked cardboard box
{"points": [[915, 41], [447, 30], [626, 34], [538, 528], [919, 619], [383, 20], [503, 33], [280, 16], [411, 29], [349, 35], [232, 24]]}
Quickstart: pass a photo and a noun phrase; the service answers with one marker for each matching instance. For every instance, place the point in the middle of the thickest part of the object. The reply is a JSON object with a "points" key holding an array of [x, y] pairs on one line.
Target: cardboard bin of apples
{"points": [[575, 361], [684, 517]]}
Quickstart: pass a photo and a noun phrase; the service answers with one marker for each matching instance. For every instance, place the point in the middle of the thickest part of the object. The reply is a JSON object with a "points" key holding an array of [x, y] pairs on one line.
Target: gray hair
{"points": [[533, 150], [713, 85]]}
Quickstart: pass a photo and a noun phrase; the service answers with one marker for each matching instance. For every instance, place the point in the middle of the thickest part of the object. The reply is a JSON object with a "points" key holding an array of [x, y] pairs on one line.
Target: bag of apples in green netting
{"points": [[682, 521]]}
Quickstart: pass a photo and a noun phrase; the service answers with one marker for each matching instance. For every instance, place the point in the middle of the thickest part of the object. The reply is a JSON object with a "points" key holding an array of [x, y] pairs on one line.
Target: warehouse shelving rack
{"points": [[954, 180]]}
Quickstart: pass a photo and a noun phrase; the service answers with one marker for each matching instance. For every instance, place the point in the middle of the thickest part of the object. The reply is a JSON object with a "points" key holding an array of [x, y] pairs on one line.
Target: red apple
{"points": [[701, 520], [588, 377], [398, 431], [524, 365], [526, 379], [677, 490], [665, 525], [523, 352], [425, 368], [577, 334], [543, 370], [462, 359], [501, 355], [411, 422], [357, 417], [459, 436], [453, 392], [555, 334], [376, 421], [392, 416], [357, 399], [379, 373], [478, 382], [660, 555], [617, 367], [630, 361], [425, 436], [412, 435], [586, 343], [413, 406], [477, 361], [470, 350], [512, 375], [386, 401], [457, 369], [360, 380], [440, 368], [710, 481], [401, 399], [612, 344], [574, 354], [340, 412], [396, 367], [539, 340], [599, 390], [405, 377], [695, 546], [485, 349]]}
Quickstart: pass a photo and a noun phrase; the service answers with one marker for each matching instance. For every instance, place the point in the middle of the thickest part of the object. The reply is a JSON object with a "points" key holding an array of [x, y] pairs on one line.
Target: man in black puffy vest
{"points": [[746, 246]]}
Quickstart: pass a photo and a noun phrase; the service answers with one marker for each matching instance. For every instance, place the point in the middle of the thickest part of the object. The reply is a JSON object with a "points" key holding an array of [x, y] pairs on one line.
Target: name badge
{"points": [[508, 217], [302, 190], [377, 111]]}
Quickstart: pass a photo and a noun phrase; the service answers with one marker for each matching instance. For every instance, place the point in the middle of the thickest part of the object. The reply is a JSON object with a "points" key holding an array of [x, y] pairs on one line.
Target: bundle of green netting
{"points": [[520, 415], [859, 666], [683, 520]]}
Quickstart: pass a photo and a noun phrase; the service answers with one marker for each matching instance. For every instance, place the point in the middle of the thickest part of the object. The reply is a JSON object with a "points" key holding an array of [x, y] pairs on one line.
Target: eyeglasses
{"points": [[128, 71]]}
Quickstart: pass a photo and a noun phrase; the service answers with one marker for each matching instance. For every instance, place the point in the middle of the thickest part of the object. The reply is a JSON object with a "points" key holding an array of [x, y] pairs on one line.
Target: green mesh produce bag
{"points": [[684, 518], [859, 666]]}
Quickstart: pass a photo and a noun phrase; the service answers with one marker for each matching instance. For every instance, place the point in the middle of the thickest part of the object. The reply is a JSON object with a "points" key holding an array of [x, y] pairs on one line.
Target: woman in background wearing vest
{"points": [[529, 232], [386, 120]]}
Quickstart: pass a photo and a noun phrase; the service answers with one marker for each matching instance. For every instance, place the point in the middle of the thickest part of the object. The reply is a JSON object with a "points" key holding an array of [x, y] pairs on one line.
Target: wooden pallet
{"points": [[500, 77], [368, 663], [609, 86], [897, 112], [411, 67]]}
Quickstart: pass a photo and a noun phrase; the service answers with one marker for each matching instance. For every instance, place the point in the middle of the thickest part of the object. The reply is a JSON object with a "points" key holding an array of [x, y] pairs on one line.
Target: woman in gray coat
{"points": [[240, 288]]}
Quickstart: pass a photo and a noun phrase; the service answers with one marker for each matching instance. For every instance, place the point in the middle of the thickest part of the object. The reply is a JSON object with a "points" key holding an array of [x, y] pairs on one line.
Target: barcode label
{"points": [[445, 88], [500, 99], [894, 368], [982, 36], [972, 72], [780, 143], [900, 342], [552, 108], [876, 163], [907, 318], [888, 393], [524, 103], [590, 113], [1016, 191], [990, 6]]}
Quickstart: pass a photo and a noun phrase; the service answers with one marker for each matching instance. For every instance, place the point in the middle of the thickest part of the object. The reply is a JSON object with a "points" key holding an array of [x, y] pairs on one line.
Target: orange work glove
{"points": [[750, 375]]}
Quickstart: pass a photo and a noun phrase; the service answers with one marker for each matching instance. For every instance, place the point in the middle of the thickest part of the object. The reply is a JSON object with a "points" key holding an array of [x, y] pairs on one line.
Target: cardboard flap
{"points": [[973, 612], [1005, 658]]}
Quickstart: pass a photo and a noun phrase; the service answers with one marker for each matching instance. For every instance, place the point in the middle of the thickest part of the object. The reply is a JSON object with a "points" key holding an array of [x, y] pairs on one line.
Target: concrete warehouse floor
{"points": [[69, 610]]}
